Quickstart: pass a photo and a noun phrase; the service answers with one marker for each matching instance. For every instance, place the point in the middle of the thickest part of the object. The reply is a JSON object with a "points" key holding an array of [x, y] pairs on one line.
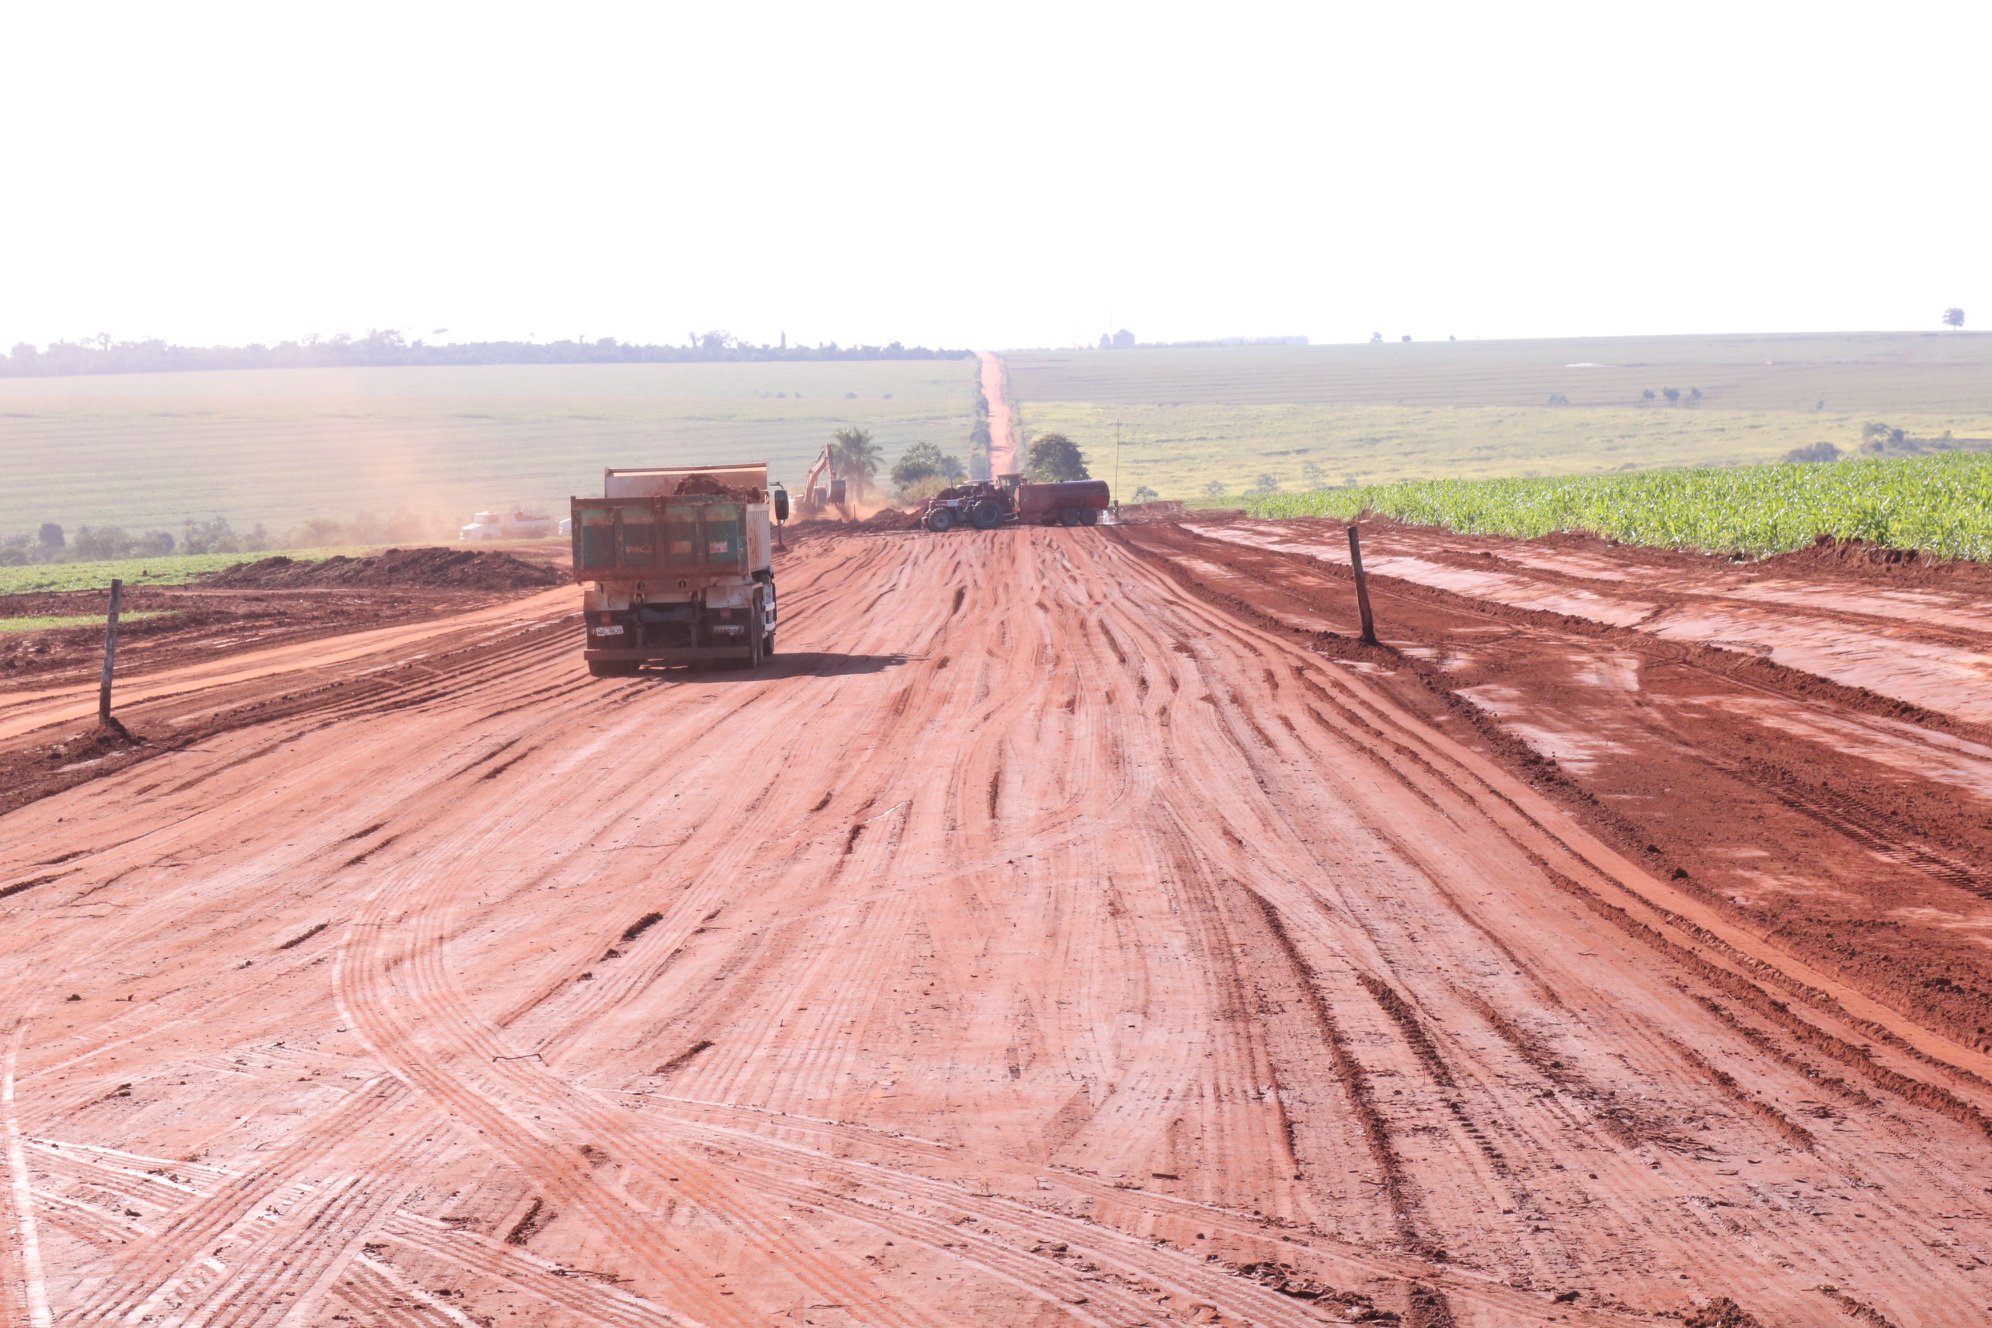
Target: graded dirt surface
{"points": [[1064, 926]]}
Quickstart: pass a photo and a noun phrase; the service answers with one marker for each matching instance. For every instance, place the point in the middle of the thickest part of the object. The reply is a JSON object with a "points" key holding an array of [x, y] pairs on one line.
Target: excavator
{"points": [[828, 498]]}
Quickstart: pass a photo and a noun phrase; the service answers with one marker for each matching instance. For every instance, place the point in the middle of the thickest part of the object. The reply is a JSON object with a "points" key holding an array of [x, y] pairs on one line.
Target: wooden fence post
{"points": [[1362, 587], [110, 653]]}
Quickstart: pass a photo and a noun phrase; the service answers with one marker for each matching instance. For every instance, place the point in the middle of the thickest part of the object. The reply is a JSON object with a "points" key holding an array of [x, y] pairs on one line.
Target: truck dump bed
{"points": [[676, 564], [666, 481]]}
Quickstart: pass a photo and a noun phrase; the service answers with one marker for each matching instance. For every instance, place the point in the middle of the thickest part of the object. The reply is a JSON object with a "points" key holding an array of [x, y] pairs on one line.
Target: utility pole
{"points": [[1117, 427], [1362, 587], [110, 653]]}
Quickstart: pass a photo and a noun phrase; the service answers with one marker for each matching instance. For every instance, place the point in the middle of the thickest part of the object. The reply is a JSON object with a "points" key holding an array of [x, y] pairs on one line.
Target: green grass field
{"points": [[49, 623], [1337, 415], [147, 451], [169, 571], [1940, 505]]}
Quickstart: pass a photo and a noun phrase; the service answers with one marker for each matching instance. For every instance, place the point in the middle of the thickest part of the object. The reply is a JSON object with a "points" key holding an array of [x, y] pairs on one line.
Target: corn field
{"points": [[1940, 505]]}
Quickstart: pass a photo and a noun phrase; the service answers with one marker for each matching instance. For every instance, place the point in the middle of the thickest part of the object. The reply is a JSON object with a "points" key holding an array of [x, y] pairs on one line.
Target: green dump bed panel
{"points": [[633, 537]]}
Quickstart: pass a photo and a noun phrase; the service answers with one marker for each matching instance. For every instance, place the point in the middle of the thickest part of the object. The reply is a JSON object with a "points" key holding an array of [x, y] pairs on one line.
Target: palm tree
{"points": [[857, 458]]}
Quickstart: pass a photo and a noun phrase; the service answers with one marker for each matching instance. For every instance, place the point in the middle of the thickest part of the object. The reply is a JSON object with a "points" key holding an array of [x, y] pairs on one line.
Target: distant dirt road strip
{"points": [[1064, 926], [1002, 418]]}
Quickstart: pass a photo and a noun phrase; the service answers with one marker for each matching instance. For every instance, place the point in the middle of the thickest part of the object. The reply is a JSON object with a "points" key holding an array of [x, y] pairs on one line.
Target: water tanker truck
{"points": [[676, 567], [1013, 500]]}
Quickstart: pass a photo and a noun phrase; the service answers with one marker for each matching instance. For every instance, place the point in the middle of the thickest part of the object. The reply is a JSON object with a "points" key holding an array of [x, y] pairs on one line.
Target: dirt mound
{"points": [[1722, 1312], [1134, 514], [1827, 554], [891, 518], [464, 569], [707, 486]]}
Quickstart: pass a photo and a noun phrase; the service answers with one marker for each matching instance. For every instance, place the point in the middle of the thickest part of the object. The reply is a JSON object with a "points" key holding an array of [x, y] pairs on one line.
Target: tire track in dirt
{"points": [[1171, 783]]}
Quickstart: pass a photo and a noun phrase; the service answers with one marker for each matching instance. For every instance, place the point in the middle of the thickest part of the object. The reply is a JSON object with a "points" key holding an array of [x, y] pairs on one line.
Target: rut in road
{"points": [[1042, 942]]}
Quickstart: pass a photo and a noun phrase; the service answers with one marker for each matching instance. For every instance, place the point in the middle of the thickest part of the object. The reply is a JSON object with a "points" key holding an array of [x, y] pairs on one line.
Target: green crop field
{"points": [[1338, 415], [49, 623], [1940, 504], [148, 451], [173, 570]]}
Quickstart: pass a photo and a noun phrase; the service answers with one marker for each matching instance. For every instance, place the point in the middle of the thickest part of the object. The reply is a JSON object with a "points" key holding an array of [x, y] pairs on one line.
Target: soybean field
{"points": [[1938, 504]]}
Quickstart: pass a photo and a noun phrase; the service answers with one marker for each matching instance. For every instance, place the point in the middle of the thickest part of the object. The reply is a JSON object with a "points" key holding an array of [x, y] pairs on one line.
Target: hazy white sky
{"points": [[1001, 175]]}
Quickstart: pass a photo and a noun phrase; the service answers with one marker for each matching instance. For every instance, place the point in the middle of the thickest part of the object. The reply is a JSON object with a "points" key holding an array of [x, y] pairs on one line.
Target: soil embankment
{"points": [[1067, 925]]}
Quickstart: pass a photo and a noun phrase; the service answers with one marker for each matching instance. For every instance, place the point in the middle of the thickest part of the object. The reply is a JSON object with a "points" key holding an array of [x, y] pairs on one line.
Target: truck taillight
{"points": [[725, 614], [605, 617]]}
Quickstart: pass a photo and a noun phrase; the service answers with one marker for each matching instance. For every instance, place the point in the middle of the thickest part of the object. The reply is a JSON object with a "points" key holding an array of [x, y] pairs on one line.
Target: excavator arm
{"points": [[832, 492], [823, 463]]}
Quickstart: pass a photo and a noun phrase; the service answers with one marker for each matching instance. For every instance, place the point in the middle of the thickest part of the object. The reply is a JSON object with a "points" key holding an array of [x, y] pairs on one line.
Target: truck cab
{"points": [[676, 566]]}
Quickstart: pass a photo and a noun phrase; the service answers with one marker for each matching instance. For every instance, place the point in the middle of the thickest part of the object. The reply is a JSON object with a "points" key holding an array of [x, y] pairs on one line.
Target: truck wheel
{"points": [[940, 520], [611, 668], [985, 515], [757, 649], [1089, 516], [1069, 516]]}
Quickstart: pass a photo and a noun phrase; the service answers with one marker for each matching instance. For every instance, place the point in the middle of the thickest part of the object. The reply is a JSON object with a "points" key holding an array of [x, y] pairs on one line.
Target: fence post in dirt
{"points": [[110, 653], [1362, 587]]}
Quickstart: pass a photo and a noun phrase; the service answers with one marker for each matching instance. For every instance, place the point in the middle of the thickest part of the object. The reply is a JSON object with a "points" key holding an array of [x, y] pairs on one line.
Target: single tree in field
{"points": [[1312, 475], [1647, 395], [1144, 494], [1376, 338], [1053, 456], [857, 458], [1954, 318], [1673, 395], [1214, 489], [918, 462], [1265, 484], [1694, 396], [924, 461]]}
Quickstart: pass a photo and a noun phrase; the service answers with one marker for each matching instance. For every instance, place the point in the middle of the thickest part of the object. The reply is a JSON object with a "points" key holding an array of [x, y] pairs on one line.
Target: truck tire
{"points": [[1089, 516], [985, 515], [941, 520], [1069, 516], [611, 668], [757, 649]]}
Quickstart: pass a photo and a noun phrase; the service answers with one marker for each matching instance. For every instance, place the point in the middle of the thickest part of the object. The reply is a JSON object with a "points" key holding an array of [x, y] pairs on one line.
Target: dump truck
{"points": [[676, 565], [1014, 500]]}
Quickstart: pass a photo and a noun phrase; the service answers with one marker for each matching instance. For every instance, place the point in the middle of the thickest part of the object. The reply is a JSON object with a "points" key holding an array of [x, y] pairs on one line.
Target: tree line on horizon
{"points": [[387, 347]]}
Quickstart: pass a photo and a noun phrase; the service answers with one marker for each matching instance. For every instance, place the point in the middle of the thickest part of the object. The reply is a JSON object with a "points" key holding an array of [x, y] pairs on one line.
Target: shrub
{"points": [[96, 543], [1053, 456]]}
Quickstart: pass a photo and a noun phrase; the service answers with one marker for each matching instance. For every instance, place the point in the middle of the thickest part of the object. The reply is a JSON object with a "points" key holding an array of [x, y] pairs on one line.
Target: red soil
{"points": [[1066, 925]]}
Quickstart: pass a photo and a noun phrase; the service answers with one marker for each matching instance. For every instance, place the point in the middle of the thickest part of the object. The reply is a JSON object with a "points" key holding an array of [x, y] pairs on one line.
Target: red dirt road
{"points": [[1064, 926], [1002, 418]]}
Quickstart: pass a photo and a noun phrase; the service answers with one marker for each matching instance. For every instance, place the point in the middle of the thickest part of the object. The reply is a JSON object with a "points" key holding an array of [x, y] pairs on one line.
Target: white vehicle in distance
{"points": [[514, 522]]}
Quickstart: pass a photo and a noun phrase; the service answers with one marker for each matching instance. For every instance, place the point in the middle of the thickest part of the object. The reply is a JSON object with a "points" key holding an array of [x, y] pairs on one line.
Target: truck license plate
{"points": [[614, 629]]}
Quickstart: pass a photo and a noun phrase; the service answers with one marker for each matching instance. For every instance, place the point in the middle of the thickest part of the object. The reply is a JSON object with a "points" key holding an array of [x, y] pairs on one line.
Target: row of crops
{"points": [[1939, 504]]}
